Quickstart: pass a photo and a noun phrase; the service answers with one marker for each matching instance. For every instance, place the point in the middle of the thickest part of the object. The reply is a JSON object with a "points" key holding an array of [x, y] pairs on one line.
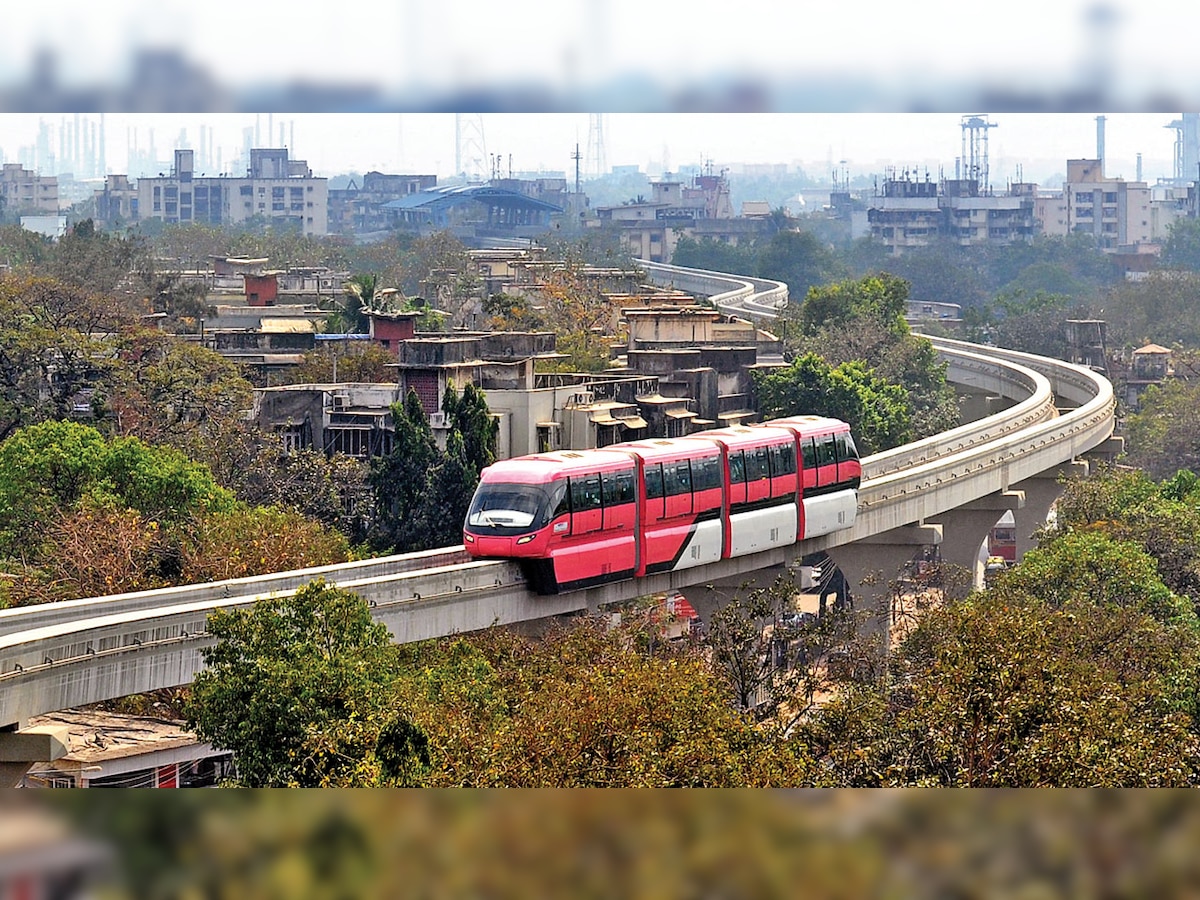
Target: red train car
{"points": [[579, 518]]}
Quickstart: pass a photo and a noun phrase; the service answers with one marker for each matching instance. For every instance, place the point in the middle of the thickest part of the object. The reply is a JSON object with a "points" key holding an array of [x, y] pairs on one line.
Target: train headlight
{"points": [[526, 539], [469, 538]]}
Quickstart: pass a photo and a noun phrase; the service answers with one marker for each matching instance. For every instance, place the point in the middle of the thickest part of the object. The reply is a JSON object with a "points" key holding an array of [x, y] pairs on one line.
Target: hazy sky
{"points": [[333, 143], [1142, 43]]}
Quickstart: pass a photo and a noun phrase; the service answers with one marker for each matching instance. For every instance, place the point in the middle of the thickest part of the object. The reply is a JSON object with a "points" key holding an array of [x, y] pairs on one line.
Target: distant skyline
{"points": [[861, 143]]}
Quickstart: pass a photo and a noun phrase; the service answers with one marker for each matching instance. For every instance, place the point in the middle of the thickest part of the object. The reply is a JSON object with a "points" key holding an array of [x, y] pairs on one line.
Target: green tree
{"points": [[400, 479], [470, 417], [880, 298], [583, 706], [53, 353], [53, 466], [1182, 247], [717, 256], [1007, 689], [798, 259], [877, 411], [295, 687]]}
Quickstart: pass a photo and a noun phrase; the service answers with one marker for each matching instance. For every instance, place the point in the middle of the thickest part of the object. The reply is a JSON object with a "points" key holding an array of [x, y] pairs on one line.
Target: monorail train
{"points": [[578, 518]]}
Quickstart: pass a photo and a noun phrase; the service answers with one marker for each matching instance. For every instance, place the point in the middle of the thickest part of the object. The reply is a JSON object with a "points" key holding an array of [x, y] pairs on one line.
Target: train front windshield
{"points": [[504, 509]]}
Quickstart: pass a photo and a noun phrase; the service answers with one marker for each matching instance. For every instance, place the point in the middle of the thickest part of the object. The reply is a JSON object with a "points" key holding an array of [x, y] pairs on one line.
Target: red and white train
{"points": [[578, 518]]}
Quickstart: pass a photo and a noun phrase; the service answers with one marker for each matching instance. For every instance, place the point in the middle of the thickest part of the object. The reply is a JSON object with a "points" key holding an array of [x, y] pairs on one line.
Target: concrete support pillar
{"points": [[1041, 493], [870, 566], [22, 748], [1107, 452], [975, 406], [966, 528], [707, 598]]}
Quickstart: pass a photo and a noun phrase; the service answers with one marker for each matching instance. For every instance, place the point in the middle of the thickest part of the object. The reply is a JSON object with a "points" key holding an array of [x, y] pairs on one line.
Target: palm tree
{"points": [[361, 296]]}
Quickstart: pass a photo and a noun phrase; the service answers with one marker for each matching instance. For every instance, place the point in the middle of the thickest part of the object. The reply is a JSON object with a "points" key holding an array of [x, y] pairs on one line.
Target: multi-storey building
{"points": [[275, 188], [24, 191], [117, 202], [360, 209], [910, 213], [1115, 211], [650, 229]]}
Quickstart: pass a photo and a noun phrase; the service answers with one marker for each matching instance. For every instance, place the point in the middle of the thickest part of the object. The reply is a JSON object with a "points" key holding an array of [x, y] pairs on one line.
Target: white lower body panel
{"points": [[762, 529], [829, 512], [703, 545]]}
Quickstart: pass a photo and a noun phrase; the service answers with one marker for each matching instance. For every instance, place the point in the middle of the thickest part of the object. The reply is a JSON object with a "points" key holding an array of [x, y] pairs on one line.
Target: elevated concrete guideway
{"points": [[84, 651]]}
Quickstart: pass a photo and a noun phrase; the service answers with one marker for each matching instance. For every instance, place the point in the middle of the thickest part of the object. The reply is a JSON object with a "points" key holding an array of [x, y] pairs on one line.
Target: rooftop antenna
{"points": [[597, 154], [975, 149], [470, 152]]}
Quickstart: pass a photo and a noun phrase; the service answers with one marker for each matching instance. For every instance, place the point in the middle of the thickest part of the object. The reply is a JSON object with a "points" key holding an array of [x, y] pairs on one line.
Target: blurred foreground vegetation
{"points": [[844, 844]]}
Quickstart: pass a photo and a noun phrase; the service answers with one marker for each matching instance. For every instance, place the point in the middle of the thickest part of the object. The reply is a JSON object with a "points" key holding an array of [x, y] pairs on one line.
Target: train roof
{"points": [[543, 467], [810, 424], [743, 435], [661, 448]]}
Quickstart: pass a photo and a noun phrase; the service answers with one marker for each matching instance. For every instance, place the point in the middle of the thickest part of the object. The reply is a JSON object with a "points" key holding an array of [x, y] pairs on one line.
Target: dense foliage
{"points": [[85, 515], [854, 358], [421, 491]]}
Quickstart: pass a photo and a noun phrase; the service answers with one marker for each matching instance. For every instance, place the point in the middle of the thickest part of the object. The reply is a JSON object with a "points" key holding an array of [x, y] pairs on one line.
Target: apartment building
{"points": [[117, 201], [1115, 211], [650, 229], [909, 212], [276, 188], [24, 191]]}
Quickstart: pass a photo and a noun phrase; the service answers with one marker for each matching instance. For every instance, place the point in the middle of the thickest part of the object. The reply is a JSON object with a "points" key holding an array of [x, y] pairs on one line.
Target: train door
{"points": [[654, 504], [758, 474], [737, 479], [587, 505], [619, 547], [677, 488], [808, 464], [782, 459], [618, 494], [827, 474]]}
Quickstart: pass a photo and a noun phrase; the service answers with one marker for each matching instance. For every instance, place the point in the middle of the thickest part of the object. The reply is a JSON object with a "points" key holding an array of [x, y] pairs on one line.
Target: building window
{"points": [[247, 190]]}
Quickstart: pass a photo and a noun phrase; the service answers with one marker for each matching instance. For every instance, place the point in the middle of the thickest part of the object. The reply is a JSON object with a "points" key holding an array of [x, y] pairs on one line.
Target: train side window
{"points": [[846, 448], [783, 459], [562, 505], [585, 493], [756, 464], [706, 473], [808, 453], [677, 478], [618, 488], [737, 467], [826, 453], [654, 481]]}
